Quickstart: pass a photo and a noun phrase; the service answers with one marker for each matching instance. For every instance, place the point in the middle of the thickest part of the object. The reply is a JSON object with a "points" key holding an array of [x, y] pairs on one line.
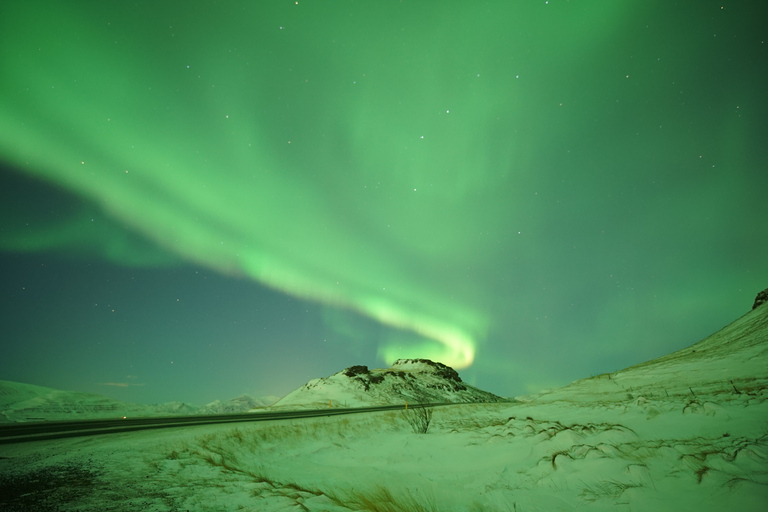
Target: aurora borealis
{"points": [[530, 191]]}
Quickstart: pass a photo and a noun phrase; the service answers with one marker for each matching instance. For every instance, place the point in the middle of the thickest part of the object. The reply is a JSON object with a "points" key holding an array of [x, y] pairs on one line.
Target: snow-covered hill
{"points": [[412, 380], [407, 380], [730, 363], [241, 403], [27, 402], [683, 432]]}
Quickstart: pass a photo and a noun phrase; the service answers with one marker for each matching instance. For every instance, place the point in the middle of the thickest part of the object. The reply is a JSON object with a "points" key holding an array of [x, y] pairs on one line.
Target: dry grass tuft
{"points": [[611, 489], [380, 499]]}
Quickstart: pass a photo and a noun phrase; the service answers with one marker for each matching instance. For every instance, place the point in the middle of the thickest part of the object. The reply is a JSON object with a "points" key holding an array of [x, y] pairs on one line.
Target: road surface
{"points": [[44, 430]]}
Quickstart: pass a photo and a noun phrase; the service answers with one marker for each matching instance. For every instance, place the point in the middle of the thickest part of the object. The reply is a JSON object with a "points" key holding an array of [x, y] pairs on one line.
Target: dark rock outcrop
{"points": [[408, 379], [356, 370], [761, 298], [440, 369]]}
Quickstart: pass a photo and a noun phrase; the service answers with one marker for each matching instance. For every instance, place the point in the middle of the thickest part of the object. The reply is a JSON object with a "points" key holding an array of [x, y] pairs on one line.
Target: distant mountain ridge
{"points": [[240, 403], [407, 380], [28, 402], [730, 362]]}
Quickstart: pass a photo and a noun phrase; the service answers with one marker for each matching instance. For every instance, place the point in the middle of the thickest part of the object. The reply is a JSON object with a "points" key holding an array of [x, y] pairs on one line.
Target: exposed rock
{"points": [[356, 370], [407, 380], [761, 298], [438, 368]]}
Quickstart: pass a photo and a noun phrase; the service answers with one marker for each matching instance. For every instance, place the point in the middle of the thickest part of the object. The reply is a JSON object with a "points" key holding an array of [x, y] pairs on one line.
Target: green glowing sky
{"points": [[236, 197]]}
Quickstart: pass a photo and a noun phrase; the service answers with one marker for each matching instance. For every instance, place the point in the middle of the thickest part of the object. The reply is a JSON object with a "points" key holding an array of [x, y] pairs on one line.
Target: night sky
{"points": [[216, 198]]}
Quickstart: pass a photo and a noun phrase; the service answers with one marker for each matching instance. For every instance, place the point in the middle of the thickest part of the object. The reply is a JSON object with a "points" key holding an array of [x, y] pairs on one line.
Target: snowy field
{"points": [[684, 432], [639, 455]]}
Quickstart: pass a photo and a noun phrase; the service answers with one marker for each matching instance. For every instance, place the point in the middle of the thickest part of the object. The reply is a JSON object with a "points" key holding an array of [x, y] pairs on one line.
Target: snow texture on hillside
{"points": [[242, 403], [688, 431], [27, 402], [729, 364], [407, 380]]}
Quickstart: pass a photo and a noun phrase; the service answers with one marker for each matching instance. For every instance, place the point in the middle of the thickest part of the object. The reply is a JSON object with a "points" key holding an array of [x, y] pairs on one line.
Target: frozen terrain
{"points": [[688, 431], [26, 402], [407, 380]]}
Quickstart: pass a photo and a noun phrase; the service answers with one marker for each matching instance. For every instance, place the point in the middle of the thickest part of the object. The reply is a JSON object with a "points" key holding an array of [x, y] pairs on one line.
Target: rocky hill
{"points": [[411, 380]]}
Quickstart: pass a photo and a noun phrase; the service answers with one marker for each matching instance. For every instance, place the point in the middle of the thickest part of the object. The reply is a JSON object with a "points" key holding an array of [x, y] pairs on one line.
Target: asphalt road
{"points": [[44, 430]]}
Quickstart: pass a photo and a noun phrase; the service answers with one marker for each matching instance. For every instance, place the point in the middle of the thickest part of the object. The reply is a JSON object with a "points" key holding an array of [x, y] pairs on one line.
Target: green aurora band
{"points": [[361, 155], [311, 148]]}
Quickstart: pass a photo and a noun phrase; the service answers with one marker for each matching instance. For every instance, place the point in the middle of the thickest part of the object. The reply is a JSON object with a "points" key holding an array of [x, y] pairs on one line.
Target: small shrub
{"points": [[419, 417]]}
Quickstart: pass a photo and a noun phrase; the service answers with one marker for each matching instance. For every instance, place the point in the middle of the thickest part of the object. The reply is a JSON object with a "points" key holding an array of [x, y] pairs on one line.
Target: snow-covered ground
{"points": [[686, 432]]}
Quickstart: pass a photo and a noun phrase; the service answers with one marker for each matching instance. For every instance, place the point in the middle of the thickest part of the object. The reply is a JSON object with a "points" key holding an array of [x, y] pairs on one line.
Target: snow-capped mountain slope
{"points": [[27, 402], [241, 403], [729, 363], [411, 380], [683, 432]]}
